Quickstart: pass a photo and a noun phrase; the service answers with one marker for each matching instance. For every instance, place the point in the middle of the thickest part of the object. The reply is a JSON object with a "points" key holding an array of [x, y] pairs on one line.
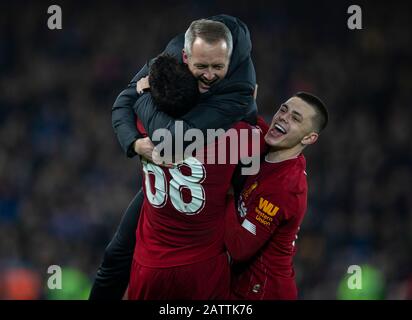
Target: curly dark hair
{"points": [[173, 87]]}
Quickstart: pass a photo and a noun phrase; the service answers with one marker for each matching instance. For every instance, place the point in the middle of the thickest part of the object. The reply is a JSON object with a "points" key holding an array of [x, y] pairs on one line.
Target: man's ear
{"points": [[311, 138], [184, 56]]}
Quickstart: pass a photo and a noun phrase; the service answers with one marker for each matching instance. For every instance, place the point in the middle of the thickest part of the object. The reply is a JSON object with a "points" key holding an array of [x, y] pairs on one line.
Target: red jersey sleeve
{"points": [[244, 237]]}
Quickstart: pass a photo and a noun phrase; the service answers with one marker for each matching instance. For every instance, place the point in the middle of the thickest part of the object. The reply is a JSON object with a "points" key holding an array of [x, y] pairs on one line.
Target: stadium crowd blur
{"points": [[64, 181]]}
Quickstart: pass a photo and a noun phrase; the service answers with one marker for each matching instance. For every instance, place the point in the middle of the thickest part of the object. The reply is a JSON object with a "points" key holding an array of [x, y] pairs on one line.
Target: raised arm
{"points": [[123, 117], [232, 104]]}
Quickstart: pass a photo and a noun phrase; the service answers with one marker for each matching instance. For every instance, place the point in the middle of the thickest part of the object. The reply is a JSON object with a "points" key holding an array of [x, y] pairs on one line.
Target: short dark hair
{"points": [[321, 118], [173, 87]]}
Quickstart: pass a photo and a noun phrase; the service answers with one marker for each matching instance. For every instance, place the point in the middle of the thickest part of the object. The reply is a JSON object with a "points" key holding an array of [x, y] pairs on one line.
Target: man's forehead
{"points": [[217, 51], [208, 60], [204, 44]]}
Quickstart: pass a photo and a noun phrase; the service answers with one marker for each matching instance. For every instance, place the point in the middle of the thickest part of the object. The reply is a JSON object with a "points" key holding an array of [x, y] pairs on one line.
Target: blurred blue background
{"points": [[64, 181]]}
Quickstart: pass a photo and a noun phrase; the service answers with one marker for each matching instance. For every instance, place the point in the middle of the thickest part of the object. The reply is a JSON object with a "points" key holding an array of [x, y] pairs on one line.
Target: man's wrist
{"points": [[136, 145], [131, 150]]}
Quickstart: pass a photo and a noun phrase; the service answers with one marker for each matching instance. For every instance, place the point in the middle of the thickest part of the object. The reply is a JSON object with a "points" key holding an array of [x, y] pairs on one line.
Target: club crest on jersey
{"points": [[241, 208], [267, 207], [248, 191]]}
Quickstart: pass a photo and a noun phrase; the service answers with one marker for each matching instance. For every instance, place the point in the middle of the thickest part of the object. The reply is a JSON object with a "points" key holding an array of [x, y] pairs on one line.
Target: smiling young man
{"points": [[260, 236]]}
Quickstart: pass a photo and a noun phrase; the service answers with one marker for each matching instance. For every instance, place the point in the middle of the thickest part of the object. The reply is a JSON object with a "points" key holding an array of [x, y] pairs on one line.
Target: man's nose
{"points": [[283, 118], [208, 75]]}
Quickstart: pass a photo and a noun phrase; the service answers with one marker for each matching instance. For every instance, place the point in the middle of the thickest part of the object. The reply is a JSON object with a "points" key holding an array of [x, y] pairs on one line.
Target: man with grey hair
{"points": [[209, 30], [207, 51], [217, 52]]}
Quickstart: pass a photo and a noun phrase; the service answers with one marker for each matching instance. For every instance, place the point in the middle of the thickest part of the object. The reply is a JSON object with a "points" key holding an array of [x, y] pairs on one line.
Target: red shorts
{"points": [[204, 280]]}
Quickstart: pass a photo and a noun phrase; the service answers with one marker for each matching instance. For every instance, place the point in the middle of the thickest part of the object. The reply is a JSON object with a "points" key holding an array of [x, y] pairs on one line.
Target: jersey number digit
{"points": [[157, 198], [177, 184]]}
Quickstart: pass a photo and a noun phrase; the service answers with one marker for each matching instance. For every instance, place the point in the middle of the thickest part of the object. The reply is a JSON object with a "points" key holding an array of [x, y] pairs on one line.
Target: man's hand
{"points": [[147, 150], [142, 84], [144, 147]]}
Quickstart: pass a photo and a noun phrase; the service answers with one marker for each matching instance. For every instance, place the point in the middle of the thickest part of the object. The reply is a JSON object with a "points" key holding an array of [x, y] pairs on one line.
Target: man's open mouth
{"points": [[208, 83], [279, 128]]}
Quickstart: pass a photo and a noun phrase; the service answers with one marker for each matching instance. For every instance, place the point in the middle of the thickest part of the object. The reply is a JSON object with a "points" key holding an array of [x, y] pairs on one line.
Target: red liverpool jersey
{"points": [[263, 233], [182, 218]]}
